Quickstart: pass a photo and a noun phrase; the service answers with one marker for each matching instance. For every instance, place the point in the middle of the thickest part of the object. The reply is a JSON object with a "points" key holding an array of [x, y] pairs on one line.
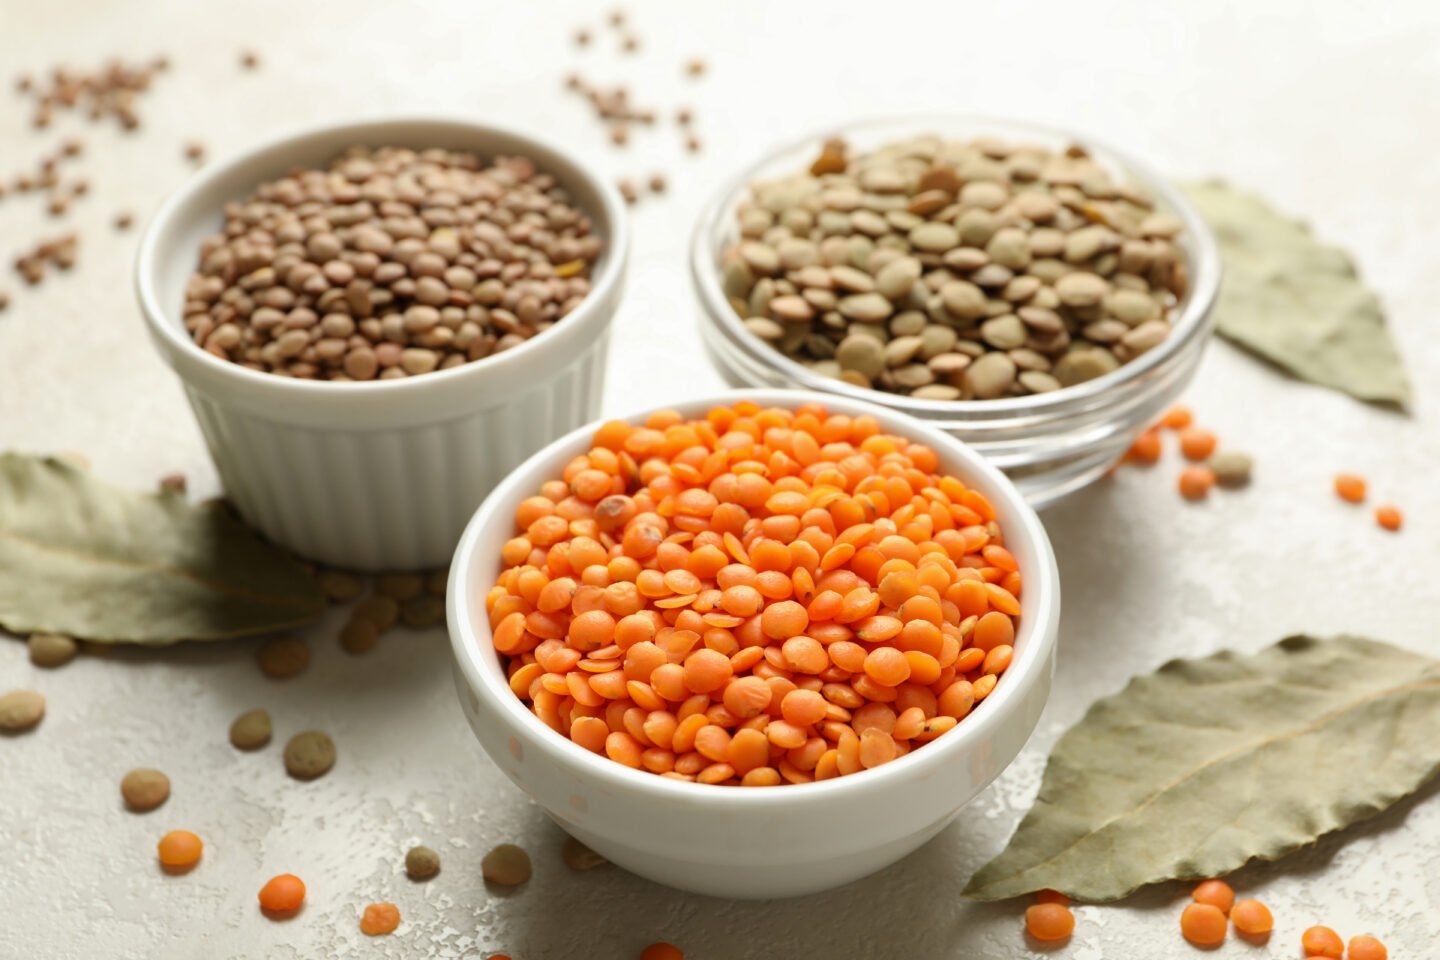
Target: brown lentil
{"points": [[506, 865], [390, 263], [51, 649], [340, 587], [173, 483], [124, 220], [1231, 469], [991, 250], [421, 863], [110, 90], [251, 730], [437, 583], [283, 657], [21, 710], [144, 789], [249, 59], [195, 152], [309, 755], [577, 856], [381, 611], [400, 586]]}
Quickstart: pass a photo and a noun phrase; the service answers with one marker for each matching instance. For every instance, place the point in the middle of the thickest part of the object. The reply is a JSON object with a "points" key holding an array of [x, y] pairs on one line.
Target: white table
{"points": [[1329, 111]]}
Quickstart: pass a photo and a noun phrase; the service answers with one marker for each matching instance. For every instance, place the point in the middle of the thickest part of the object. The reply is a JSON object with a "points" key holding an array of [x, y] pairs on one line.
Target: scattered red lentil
{"points": [[1052, 896], [1322, 942], [1195, 482], [282, 895], [1177, 418], [662, 951], [1367, 948], [379, 919], [1146, 448], [1197, 444], [1388, 517], [1252, 917], [179, 851], [1049, 921], [1203, 924], [1217, 893], [688, 598], [1350, 487]]}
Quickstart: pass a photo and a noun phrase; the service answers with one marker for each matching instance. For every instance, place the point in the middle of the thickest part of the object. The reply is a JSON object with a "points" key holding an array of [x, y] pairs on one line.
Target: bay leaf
{"points": [[1205, 764], [1296, 301], [82, 558]]}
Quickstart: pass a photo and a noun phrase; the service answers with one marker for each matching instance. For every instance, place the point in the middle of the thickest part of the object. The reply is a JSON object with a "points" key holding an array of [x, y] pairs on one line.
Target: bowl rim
{"points": [[1190, 323], [1039, 627], [610, 218]]}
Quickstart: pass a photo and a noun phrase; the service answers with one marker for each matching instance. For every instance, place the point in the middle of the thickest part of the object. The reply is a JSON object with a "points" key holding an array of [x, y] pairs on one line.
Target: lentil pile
{"points": [[952, 270], [390, 263], [758, 597]]}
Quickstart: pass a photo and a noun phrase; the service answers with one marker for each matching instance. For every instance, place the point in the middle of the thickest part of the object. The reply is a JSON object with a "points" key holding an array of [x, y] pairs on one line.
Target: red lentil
{"points": [[1349, 487], [1049, 921], [1252, 917], [1195, 482], [662, 951], [282, 895], [1217, 893], [1389, 517], [1203, 924], [379, 919], [1177, 418], [754, 597], [179, 851], [1367, 948], [1322, 942], [1197, 444]]}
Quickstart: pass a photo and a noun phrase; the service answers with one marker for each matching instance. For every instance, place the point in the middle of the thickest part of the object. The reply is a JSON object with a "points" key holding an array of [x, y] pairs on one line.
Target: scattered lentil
{"points": [[340, 587], [657, 183], [1203, 924], [1195, 482], [1388, 517], [1231, 469], [1146, 448], [251, 730], [108, 91], [506, 865], [422, 612], [1322, 942], [283, 657], [662, 951], [179, 851], [51, 649], [421, 863], [359, 636], [144, 789], [390, 263], [1049, 921], [1197, 444], [698, 616], [173, 483], [1217, 893], [21, 710], [400, 586], [1001, 248], [309, 755], [1253, 918], [249, 59], [282, 895], [1366, 947], [1177, 418], [1350, 487], [695, 67], [382, 611], [379, 919], [577, 856]]}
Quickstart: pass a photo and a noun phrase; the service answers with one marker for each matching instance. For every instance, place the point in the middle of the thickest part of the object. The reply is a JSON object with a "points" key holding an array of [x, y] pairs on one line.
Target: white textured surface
{"points": [[1328, 108]]}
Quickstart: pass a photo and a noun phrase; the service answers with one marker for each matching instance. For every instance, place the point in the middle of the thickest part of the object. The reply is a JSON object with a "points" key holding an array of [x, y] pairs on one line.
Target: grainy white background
{"points": [[1327, 107]]}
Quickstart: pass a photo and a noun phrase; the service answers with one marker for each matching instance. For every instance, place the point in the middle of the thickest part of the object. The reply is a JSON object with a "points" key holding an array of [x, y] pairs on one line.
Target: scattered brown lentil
{"points": [[51, 649], [359, 636], [249, 59], [144, 789], [173, 483], [251, 730], [195, 152], [110, 90], [124, 220], [381, 611], [582, 38], [1232, 469], [21, 710], [577, 856], [683, 116], [390, 263], [421, 612], [4, 299], [692, 143], [400, 586], [628, 191], [630, 44], [657, 183], [695, 67], [421, 863], [283, 657], [340, 587], [937, 268], [309, 755], [506, 865], [437, 582]]}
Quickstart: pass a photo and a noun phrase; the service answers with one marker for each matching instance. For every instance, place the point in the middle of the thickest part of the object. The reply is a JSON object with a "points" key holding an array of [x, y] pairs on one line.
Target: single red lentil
{"points": [[1217, 893], [1203, 924], [1322, 942], [379, 919], [1252, 917], [754, 597], [282, 895], [662, 951], [1366, 947], [1177, 418], [1350, 487], [1195, 482], [1389, 517], [1049, 921], [1197, 444], [1146, 448], [179, 850]]}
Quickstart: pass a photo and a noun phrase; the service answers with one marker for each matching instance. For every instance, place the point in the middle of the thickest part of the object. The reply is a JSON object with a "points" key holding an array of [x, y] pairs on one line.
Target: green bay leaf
{"points": [[1296, 301], [88, 560], [1206, 764]]}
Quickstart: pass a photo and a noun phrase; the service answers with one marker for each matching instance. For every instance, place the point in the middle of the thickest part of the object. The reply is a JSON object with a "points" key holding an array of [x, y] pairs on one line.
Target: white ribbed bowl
{"points": [[754, 842], [382, 474]]}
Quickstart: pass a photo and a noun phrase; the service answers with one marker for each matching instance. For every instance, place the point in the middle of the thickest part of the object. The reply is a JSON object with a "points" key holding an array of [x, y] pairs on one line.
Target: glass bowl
{"points": [[1051, 444]]}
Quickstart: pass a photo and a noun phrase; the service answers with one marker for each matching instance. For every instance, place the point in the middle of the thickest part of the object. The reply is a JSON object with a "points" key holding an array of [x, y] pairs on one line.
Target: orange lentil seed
{"points": [[1049, 921], [1322, 942], [379, 919], [179, 851], [1197, 444], [1217, 893], [1203, 924], [662, 951], [1195, 482], [1388, 517], [1253, 918], [282, 894], [1349, 487], [1146, 448], [754, 597], [1177, 418], [1364, 947]]}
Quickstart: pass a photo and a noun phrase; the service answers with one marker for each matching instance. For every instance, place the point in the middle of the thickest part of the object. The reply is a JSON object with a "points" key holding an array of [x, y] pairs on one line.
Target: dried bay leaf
{"points": [[88, 560], [1296, 301], [1205, 764]]}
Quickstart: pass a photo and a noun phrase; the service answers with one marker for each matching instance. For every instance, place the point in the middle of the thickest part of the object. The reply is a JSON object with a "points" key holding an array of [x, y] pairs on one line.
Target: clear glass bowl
{"points": [[1051, 444]]}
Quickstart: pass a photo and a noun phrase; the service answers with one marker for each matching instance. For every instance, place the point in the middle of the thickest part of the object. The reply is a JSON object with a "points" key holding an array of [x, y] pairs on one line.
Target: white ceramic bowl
{"points": [[1051, 444], [381, 474], [754, 842]]}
